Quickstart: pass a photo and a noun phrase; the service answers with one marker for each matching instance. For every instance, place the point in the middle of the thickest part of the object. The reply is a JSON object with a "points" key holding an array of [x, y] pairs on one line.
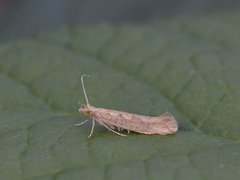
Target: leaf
{"points": [[189, 67]]}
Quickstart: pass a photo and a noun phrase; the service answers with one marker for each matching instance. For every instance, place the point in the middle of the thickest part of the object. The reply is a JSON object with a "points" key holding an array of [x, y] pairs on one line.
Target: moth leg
{"points": [[112, 127], [128, 131], [93, 124], [83, 122], [113, 130], [120, 129]]}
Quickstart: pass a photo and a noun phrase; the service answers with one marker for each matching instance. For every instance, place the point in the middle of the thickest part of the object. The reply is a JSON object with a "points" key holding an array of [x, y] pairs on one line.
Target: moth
{"points": [[110, 119]]}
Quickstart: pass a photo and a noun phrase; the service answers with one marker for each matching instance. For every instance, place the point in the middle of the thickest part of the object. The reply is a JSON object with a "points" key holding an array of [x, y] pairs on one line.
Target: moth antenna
{"points": [[84, 91]]}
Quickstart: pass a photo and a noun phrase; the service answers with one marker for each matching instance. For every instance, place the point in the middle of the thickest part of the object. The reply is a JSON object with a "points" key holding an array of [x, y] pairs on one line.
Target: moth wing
{"points": [[165, 124]]}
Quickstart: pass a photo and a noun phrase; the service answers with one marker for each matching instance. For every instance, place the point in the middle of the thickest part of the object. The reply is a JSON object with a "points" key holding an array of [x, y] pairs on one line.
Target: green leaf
{"points": [[188, 67]]}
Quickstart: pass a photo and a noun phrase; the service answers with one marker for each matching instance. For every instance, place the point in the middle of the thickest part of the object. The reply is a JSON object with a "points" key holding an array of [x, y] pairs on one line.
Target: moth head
{"points": [[84, 108]]}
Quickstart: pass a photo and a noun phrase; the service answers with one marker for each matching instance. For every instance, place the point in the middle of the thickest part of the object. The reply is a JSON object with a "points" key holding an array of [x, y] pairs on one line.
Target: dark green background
{"points": [[22, 18]]}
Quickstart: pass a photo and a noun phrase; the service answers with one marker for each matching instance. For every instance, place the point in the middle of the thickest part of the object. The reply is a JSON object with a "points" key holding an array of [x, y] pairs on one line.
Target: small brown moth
{"points": [[110, 119]]}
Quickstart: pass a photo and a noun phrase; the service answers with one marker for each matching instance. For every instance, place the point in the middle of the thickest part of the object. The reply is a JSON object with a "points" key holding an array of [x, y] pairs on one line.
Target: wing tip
{"points": [[171, 123]]}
